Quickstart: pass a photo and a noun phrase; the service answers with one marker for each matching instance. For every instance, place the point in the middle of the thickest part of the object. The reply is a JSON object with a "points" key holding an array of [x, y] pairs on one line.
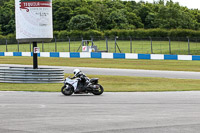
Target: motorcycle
{"points": [[90, 86]]}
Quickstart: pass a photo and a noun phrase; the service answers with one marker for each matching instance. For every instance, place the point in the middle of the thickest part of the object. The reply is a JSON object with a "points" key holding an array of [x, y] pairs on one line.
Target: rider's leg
{"points": [[78, 87]]}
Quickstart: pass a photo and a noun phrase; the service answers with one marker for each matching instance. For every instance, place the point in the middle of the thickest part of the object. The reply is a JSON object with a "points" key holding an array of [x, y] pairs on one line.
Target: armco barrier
{"points": [[30, 75], [106, 55]]}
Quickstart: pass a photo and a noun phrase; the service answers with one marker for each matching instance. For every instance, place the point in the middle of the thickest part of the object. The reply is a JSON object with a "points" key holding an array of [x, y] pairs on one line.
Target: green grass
{"points": [[113, 83], [159, 47], [172, 65], [117, 84]]}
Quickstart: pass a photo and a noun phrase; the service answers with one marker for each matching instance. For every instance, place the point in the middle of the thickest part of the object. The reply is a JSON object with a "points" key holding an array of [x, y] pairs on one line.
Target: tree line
{"points": [[105, 15]]}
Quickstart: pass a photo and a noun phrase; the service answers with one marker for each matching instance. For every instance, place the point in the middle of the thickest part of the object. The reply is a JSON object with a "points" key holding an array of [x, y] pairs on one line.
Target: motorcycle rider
{"points": [[82, 81]]}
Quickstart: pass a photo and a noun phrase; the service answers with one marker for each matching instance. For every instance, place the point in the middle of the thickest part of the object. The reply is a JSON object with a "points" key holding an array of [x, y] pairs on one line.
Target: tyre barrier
{"points": [[30, 75]]}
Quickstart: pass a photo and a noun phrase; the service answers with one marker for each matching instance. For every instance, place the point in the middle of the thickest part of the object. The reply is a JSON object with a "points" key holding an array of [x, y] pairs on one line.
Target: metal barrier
{"points": [[30, 75], [150, 45]]}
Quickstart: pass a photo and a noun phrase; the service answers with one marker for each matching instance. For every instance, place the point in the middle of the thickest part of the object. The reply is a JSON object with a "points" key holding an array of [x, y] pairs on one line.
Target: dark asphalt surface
{"points": [[150, 112], [126, 72]]}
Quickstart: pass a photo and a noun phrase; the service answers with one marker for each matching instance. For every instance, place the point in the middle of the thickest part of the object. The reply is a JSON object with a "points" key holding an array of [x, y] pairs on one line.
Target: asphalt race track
{"points": [[149, 112], [125, 72]]}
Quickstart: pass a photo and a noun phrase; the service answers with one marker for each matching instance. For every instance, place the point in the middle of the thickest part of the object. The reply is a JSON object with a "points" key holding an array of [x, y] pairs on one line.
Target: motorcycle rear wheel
{"points": [[67, 90], [98, 91]]}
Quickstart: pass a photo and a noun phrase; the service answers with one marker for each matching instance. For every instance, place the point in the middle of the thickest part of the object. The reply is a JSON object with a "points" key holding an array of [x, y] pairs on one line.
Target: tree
{"points": [[196, 14], [172, 16], [118, 20], [3, 1], [133, 19], [83, 10], [0, 30], [82, 22], [62, 16], [144, 11], [149, 20], [109, 14], [101, 16], [7, 17]]}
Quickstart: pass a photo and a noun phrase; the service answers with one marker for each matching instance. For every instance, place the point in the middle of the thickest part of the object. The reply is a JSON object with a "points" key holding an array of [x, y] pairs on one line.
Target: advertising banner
{"points": [[33, 20]]}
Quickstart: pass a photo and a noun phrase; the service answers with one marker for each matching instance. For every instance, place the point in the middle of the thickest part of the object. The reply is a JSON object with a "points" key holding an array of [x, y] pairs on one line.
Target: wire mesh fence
{"points": [[189, 46]]}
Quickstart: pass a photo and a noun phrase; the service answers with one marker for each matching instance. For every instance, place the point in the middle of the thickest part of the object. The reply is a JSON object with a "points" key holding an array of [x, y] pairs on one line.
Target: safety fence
{"points": [[151, 45]]}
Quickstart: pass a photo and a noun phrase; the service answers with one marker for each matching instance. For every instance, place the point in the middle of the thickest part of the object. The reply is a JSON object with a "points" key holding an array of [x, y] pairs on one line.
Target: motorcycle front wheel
{"points": [[67, 90], [99, 90]]}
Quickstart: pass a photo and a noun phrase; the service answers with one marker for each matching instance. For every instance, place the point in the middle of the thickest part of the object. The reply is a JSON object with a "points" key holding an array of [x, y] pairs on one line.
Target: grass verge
{"points": [[117, 84], [172, 65]]}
